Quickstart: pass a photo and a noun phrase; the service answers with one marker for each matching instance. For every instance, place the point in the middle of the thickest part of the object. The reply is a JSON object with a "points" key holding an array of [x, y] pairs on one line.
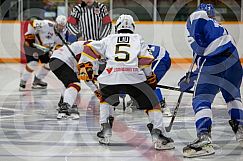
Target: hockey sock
{"points": [[159, 94], [43, 72], [156, 118], [70, 95], [29, 68], [236, 110], [104, 112], [203, 120]]}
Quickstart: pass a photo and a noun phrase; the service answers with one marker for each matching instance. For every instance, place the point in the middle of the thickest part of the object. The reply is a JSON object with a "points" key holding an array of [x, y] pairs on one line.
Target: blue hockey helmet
{"points": [[209, 8]]}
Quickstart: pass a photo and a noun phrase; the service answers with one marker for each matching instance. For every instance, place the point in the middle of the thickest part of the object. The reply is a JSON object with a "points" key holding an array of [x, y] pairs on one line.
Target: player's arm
{"points": [[145, 59], [106, 23], [72, 21], [29, 36], [196, 34], [91, 53]]}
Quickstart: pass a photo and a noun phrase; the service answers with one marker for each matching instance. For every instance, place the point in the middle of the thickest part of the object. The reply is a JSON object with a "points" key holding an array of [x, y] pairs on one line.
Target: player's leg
{"points": [[69, 78], [42, 73], [164, 107], [160, 67], [110, 97], [32, 57], [147, 100], [231, 93], [207, 86]]}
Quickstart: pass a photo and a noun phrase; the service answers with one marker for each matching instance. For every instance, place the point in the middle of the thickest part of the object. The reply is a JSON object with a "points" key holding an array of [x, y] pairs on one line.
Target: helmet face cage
{"points": [[61, 22], [125, 22], [209, 8]]}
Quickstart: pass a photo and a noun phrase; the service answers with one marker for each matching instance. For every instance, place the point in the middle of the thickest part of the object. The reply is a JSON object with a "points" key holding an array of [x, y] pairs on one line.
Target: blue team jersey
{"points": [[162, 61], [206, 36]]}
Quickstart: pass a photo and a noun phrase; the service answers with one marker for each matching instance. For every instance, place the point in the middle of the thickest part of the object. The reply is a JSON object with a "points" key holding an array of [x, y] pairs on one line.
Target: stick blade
{"points": [[167, 129]]}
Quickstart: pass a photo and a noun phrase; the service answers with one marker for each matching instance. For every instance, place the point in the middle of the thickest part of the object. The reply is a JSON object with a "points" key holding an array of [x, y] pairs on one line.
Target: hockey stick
{"points": [[188, 74], [124, 104], [65, 43], [173, 88], [42, 48]]}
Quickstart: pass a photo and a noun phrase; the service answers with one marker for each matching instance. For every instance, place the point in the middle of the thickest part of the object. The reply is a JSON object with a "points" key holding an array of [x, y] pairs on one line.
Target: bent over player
{"points": [[128, 69], [43, 33], [219, 70]]}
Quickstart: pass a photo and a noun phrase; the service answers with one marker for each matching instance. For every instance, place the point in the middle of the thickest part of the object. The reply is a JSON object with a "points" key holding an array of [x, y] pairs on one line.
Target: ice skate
{"points": [[73, 112], [22, 85], [132, 105], [39, 84], [160, 141], [238, 130], [60, 102], [63, 111], [106, 131], [202, 146], [165, 109]]}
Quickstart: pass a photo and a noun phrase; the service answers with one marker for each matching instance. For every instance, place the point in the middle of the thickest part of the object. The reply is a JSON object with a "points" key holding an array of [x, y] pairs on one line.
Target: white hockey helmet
{"points": [[61, 22], [125, 22]]}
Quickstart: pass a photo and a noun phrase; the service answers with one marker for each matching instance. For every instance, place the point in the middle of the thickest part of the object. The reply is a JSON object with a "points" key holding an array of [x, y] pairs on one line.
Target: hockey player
{"points": [[219, 70], [160, 66], [128, 69], [43, 33], [63, 64]]}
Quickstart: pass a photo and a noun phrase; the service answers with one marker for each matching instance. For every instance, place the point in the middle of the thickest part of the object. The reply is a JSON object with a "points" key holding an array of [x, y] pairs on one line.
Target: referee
{"points": [[89, 20]]}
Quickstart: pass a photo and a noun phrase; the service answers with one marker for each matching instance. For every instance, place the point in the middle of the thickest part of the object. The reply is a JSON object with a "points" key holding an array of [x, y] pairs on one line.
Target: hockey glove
{"points": [[152, 81], [86, 72], [186, 86]]}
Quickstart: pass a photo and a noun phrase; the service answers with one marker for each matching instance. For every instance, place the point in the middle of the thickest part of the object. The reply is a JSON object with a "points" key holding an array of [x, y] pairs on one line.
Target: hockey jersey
{"points": [[126, 56], [44, 33], [206, 36], [65, 55]]}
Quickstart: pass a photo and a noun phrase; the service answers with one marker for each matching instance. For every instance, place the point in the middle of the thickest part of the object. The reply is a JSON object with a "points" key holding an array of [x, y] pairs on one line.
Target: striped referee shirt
{"points": [[90, 22]]}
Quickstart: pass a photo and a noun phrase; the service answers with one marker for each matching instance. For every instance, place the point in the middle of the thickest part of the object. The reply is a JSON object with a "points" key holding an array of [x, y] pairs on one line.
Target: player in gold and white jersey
{"points": [[128, 69], [64, 65], [41, 34]]}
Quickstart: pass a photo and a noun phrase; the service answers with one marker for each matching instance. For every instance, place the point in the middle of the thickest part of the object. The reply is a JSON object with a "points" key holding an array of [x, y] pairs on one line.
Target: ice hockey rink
{"points": [[30, 131]]}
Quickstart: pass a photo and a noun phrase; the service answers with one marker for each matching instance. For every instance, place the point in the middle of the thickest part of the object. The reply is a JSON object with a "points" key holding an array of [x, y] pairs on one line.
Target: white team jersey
{"points": [[123, 53], [64, 54], [44, 33]]}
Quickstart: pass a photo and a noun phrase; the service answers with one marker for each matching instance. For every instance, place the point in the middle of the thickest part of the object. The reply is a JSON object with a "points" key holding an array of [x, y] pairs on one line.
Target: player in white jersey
{"points": [[128, 69], [44, 34], [64, 65]]}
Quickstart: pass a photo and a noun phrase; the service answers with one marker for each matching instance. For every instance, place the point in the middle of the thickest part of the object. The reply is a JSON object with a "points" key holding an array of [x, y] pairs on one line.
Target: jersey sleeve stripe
{"points": [[145, 60]]}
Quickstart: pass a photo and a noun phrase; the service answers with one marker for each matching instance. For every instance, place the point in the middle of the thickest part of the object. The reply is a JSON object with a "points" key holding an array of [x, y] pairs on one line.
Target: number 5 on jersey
{"points": [[122, 55]]}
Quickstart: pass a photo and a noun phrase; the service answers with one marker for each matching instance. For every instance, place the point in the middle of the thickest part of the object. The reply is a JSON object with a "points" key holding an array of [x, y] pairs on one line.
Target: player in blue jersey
{"points": [[160, 66], [219, 70]]}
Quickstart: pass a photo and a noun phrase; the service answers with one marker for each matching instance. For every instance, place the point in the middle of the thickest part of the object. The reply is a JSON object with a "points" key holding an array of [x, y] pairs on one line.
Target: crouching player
{"points": [[63, 64], [128, 69], [43, 33]]}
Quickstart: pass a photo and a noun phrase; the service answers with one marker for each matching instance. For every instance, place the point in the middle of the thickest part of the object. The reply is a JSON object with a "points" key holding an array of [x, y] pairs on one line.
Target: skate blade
{"points": [[38, 87], [74, 116], [105, 140], [24, 90], [62, 116], [167, 114], [159, 146], [193, 154], [241, 143]]}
